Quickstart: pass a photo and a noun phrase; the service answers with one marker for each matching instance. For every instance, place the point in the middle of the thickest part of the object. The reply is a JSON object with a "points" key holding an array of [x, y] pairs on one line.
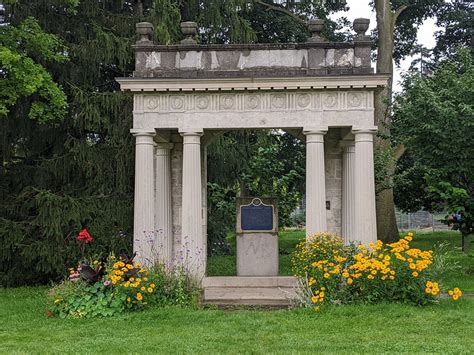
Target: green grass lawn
{"points": [[444, 328], [462, 277], [447, 327]]}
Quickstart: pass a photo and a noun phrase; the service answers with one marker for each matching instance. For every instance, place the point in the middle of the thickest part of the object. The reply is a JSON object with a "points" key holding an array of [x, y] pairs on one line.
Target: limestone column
{"points": [[163, 207], [144, 219], [315, 182], [348, 192], [192, 240], [365, 216]]}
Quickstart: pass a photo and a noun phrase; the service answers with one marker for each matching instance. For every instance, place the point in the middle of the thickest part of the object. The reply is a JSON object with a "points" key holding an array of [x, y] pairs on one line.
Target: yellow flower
{"points": [[370, 277], [139, 296], [326, 275], [314, 299], [149, 289], [129, 266], [129, 299], [145, 279], [152, 285], [415, 274], [142, 288], [350, 281]]}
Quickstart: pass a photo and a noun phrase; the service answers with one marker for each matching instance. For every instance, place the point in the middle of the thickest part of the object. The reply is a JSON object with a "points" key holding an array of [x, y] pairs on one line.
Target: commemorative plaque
{"points": [[257, 236]]}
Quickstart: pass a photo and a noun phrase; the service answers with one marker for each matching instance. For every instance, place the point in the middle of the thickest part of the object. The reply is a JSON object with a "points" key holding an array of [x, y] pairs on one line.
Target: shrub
{"points": [[331, 272]]}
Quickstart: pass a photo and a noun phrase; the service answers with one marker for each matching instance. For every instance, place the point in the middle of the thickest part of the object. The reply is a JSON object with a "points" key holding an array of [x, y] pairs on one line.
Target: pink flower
{"points": [[107, 283]]}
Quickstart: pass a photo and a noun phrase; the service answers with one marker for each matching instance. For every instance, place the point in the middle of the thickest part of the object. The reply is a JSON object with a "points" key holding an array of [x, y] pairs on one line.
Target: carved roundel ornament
{"points": [[303, 100], [177, 102], [202, 102], [152, 102], [354, 99]]}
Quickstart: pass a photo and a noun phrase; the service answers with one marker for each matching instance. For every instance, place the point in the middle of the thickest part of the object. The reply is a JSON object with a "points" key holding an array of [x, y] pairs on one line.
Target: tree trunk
{"points": [[464, 242], [387, 230]]}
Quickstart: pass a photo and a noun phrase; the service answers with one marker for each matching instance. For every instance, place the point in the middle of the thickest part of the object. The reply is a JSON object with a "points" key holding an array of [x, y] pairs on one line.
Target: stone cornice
{"points": [[250, 84], [251, 46]]}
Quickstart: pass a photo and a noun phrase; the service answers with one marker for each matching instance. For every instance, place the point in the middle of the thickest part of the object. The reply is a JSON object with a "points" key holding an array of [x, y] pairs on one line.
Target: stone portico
{"points": [[185, 95]]}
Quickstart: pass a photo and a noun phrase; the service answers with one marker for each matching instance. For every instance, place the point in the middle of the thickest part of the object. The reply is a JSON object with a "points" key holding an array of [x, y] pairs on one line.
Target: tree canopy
{"points": [[434, 119]]}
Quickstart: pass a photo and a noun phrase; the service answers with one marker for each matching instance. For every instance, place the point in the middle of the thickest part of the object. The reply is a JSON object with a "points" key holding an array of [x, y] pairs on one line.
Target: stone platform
{"points": [[274, 291]]}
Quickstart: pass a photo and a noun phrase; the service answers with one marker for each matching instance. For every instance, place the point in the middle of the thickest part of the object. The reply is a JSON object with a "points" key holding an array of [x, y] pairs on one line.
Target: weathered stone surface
{"points": [[255, 60], [257, 254]]}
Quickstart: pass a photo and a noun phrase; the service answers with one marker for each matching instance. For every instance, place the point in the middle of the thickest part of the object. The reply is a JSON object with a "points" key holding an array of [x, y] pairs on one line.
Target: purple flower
{"points": [[107, 283]]}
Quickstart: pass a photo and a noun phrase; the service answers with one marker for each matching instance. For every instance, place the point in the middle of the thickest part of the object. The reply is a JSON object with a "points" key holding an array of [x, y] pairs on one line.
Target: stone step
{"points": [[251, 290], [249, 281], [248, 293]]}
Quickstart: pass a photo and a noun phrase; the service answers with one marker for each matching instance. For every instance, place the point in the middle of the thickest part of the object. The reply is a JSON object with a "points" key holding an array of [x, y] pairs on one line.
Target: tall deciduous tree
{"points": [[397, 22]]}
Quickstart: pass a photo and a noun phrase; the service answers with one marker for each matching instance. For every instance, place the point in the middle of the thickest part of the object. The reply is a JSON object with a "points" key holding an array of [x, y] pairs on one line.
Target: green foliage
{"points": [[434, 118], [383, 158], [24, 49], [266, 175], [221, 211]]}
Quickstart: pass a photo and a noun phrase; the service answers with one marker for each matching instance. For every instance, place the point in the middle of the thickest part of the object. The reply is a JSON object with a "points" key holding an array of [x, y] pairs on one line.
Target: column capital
{"points": [[347, 147], [191, 131], [364, 134], [164, 146], [315, 135], [143, 132]]}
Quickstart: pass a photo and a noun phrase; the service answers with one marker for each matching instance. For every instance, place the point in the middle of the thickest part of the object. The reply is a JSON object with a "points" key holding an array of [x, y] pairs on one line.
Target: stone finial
{"points": [[361, 25], [189, 29], [316, 26], [145, 31]]}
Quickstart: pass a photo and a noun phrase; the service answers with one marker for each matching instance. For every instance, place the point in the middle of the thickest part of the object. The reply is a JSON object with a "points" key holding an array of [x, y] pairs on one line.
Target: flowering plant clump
{"points": [[338, 273], [103, 288]]}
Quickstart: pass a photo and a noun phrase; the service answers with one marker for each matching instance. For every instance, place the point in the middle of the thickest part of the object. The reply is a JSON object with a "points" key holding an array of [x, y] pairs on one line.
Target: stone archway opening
{"points": [[251, 163]]}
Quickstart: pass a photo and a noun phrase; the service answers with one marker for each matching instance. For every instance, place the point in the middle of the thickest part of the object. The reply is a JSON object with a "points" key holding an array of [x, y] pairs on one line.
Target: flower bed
{"points": [[112, 285], [332, 272]]}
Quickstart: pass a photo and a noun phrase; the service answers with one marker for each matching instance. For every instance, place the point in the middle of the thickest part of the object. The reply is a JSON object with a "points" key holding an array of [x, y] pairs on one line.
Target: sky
{"points": [[361, 8]]}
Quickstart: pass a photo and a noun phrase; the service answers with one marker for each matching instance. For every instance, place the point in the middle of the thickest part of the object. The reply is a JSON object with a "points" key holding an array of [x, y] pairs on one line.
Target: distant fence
{"points": [[421, 220]]}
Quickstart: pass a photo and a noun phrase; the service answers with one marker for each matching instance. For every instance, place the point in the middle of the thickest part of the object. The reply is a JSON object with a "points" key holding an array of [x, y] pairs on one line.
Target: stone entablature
{"points": [[233, 110]]}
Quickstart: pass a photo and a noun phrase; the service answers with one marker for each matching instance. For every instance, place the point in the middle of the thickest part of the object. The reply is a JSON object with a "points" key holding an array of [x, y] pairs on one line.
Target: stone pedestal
{"points": [[257, 237], [257, 254]]}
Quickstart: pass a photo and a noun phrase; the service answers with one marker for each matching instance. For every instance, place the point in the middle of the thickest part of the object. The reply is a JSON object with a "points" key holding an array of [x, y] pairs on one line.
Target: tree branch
{"points": [[398, 12], [282, 10], [399, 151]]}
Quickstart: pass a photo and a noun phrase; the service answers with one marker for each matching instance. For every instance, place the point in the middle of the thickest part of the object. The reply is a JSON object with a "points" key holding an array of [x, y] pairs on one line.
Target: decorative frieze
{"points": [[254, 101]]}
